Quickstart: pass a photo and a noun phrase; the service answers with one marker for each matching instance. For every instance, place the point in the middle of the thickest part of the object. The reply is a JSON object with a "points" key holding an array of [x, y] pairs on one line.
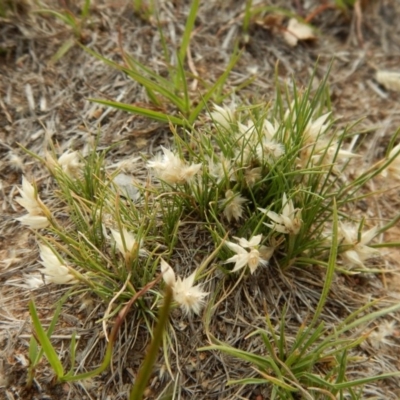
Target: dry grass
{"points": [[41, 101]]}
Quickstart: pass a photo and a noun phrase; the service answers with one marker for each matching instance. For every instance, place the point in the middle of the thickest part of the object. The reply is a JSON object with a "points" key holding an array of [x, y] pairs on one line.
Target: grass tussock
{"points": [[247, 197]]}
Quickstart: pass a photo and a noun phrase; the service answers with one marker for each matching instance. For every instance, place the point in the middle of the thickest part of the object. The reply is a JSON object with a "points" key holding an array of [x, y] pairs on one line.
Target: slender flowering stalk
{"points": [[189, 297], [289, 222], [251, 257], [54, 270], [171, 169]]}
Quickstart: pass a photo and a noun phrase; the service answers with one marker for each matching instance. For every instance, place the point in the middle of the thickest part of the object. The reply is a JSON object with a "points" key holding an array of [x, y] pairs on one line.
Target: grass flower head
{"points": [[70, 163], [252, 176], [358, 251], [269, 150], [31, 202], [288, 222], [378, 338], [233, 206], [29, 198], [171, 169], [34, 221], [54, 271], [223, 116], [251, 257], [189, 297], [130, 242], [221, 169], [393, 169]]}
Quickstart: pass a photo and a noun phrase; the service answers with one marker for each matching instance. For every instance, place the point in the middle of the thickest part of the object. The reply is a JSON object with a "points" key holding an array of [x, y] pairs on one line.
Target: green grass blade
{"points": [[259, 381], [134, 64], [260, 361], [350, 384], [66, 18], [63, 50], [370, 317], [146, 369], [141, 79], [331, 265], [247, 20], [85, 9], [363, 381], [183, 80], [155, 115], [51, 328], [44, 341], [188, 30], [33, 351]]}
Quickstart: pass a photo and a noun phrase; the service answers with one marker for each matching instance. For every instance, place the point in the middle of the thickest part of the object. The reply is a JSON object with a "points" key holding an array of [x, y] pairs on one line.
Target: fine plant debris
{"points": [[185, 217]]}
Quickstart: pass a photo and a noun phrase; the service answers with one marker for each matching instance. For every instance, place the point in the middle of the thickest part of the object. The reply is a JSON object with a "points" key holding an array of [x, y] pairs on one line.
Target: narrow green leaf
{"points": [[350, 384], [259, 381], [64, 49], [146, 369], [260, 361], [370, 317], [44, 341], [182, 78], [33, 351], [62, 17], [85, 9], [188, 30], [155, 115], [134, 64], [331, 265], [247, 17], [278, 382], [247, 381], [141, 79]]}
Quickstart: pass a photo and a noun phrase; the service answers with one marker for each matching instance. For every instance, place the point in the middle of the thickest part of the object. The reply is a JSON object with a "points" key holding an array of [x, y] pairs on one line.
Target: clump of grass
{"points": [[268, 184], [315, 365], [271, 171]]}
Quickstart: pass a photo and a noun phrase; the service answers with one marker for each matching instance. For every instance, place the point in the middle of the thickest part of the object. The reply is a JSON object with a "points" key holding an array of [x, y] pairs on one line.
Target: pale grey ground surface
{"points": [[40, 101]]}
